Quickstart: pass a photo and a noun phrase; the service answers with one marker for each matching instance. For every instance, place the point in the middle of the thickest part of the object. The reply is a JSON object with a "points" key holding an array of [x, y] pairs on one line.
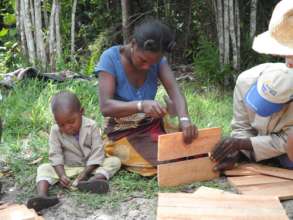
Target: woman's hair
{"points": [[153, 35]]}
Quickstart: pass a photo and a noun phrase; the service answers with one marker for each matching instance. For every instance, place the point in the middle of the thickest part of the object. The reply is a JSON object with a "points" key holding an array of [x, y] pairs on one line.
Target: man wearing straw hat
{"points": [[262, 107]]}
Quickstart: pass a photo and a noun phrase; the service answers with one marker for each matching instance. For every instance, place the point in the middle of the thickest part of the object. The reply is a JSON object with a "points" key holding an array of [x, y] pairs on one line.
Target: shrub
{"points": [[207, 67]]}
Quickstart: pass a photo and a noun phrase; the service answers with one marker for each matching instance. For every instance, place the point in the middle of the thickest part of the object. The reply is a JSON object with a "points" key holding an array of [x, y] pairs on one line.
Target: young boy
{"points": [[76, 149]]}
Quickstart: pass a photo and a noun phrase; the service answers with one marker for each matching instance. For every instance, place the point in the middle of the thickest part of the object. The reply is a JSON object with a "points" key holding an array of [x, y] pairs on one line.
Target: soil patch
{"points": [[134, 208]]}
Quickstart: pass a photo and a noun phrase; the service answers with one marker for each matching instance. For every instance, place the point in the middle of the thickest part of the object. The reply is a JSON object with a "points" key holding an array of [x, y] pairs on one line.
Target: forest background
{"points": [[213, 36]]}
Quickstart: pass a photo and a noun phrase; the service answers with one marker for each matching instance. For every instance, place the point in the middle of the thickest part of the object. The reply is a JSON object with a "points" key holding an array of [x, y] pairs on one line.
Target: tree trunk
{"points": [[17, 15], [167, 8], [28, 31], [253, 13], [125, 16], [1, 128], [52, 37], [220, 30], [57, 25], [20, 26], [187, 22], [31, 5], [238, 34], [233, 34], [45, 13], [32, 13], [41, 53], [73, 30], [215, 9], [226, 33]]}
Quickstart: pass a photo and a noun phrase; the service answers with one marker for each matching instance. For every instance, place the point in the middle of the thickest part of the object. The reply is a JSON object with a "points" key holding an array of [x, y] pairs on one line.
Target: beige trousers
{"points": [[47, 172]]}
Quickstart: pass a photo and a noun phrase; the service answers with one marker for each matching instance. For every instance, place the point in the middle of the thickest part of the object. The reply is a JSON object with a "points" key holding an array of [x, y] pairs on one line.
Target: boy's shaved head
{"points": [[65, 102]]}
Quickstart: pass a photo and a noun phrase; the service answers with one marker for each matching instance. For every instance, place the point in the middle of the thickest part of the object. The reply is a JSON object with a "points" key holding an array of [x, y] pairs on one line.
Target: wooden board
{"points": [[220, 207], [268, 170], [203, 190], [283, 190], [273, 182], [187, 171], [254, 180], [171, 146], [238, 171], [19, 212]]}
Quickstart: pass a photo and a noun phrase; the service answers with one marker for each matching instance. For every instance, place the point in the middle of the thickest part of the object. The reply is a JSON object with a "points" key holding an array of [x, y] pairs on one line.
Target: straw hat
{"points": [[278, 40]]}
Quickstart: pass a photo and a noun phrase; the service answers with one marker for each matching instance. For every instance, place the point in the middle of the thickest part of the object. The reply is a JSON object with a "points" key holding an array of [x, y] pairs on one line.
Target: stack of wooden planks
{"points": [[258, 180], [18, 212], [185, 163], [210, 204]]}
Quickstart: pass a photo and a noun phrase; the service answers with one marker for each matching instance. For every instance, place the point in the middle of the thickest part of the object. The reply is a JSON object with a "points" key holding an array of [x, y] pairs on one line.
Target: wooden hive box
{"points": [[185, 163]]}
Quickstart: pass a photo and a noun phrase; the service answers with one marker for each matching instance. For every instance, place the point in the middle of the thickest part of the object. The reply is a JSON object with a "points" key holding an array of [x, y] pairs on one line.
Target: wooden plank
{"points": [[19, 212], [203, 190], [254, 180], [174, 199], [219, 206], [171, 146], [238, 171], [273, 181], [283, 191], [268, 170], [188, 171]]}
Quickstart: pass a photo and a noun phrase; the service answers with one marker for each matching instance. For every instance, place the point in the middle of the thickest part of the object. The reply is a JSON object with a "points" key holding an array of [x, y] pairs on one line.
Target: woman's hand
{"points": [[153, 109], [189, 130]]}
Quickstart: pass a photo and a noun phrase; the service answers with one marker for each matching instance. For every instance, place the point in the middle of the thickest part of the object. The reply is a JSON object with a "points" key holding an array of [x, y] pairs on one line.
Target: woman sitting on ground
{"points": [[128, 81]]}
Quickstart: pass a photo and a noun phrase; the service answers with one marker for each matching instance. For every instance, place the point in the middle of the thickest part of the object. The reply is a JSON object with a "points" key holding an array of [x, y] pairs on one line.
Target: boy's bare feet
{"points": [[96, 184], [40, 202]]}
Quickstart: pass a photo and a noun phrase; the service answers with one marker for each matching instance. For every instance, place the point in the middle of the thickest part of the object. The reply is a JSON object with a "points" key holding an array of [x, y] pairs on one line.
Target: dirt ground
{"points": [[134, 208], [137, 208]]}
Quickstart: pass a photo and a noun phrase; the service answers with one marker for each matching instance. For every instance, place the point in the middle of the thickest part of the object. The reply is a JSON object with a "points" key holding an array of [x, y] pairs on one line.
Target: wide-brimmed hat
{"points": [[278, 40], [272, 90]]}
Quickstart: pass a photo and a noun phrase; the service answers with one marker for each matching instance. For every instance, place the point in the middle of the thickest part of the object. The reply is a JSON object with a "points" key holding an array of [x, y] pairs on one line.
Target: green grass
{"points": [[27, 121]]}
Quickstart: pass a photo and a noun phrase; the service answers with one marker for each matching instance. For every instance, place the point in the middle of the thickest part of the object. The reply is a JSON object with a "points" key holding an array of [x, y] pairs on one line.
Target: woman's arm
{"points": [[108, 106], [169, 82], [114, 108]]}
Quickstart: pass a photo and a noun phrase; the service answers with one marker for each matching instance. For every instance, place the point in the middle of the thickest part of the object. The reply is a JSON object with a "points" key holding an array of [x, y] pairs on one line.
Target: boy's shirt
{"points": [[85, 150]]}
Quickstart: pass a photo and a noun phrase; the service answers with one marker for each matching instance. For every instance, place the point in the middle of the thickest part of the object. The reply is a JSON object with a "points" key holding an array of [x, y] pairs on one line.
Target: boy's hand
{"points": [[65, 181], [82, 176]]}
